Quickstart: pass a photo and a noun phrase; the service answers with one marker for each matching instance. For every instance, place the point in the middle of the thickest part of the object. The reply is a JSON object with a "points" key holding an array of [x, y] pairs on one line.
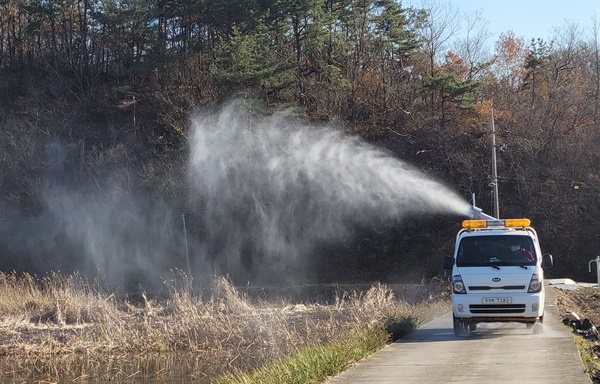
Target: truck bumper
{"points": [[524, 308]]}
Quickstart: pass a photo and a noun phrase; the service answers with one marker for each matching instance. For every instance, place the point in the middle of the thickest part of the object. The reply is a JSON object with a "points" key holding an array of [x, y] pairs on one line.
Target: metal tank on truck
{"points": [[497, 273]]}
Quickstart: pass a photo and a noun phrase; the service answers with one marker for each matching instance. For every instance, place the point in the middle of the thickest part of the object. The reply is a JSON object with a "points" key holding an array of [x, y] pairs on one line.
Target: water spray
{"points": [[277, 187]]}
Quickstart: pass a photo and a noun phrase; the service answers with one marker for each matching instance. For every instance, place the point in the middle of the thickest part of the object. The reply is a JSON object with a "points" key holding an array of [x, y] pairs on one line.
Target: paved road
{"points": [[494, 353]]}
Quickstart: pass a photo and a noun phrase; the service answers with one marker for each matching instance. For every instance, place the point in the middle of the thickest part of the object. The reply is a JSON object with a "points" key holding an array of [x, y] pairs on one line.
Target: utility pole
{"points": [[494, 183]]}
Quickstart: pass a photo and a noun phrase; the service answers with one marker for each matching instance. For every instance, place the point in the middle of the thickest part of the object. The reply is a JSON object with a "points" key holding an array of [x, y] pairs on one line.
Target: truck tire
{"points": [[460, 328]]}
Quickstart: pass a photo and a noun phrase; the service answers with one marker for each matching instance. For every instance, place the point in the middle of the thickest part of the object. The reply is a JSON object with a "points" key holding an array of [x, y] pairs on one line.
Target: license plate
{"points": [[497, 300]]}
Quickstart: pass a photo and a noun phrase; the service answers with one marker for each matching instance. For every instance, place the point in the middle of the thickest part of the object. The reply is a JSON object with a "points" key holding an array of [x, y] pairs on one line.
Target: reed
{"points": [[65, 328]]}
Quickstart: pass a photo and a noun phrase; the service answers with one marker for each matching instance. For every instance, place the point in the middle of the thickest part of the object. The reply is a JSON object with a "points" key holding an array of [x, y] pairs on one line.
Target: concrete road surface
{"points": [[494, 353]]}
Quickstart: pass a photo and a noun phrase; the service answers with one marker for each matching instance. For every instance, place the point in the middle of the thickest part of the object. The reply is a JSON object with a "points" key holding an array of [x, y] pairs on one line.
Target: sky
{"points": [[529, 18]]}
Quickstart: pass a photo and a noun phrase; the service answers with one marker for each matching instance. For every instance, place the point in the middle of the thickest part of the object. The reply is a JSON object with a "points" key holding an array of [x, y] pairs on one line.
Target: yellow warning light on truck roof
{"points": [[472, 224], [517, 222]]}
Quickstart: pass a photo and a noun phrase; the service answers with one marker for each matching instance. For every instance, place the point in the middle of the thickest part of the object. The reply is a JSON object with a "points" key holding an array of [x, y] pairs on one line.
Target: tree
{"points": [[594, 57], [442, 23], [536, 58], [507, 66], [306, 18], [454, 90], [246, 62], [473, 47]]}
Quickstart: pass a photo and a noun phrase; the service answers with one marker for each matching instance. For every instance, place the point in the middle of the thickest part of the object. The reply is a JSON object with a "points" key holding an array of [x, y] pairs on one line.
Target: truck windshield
{"points": [[496, 250]]}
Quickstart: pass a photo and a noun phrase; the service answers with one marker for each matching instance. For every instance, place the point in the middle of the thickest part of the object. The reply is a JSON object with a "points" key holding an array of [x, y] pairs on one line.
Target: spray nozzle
{"points": [[477, 213]]}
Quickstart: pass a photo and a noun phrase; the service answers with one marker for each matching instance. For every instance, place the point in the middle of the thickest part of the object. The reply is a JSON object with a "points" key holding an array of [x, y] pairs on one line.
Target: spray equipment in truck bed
{"points": [[476, 213], [482, 220]]}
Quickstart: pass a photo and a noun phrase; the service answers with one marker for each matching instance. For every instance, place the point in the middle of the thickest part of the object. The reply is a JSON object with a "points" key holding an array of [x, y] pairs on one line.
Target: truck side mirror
{"points": [[448, 262], [547, 261]]}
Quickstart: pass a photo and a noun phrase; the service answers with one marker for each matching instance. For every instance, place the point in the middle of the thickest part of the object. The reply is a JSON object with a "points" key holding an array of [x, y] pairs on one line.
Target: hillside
{"points": [[100, 104]]}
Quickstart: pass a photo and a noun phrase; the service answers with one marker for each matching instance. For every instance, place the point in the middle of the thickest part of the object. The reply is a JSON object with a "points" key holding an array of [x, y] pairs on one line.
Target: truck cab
{"points": [[497, 274]]}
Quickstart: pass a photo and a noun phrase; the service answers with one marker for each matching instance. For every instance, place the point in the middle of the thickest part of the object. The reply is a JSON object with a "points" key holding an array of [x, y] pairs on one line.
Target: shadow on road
{"points": [[441, 330]]}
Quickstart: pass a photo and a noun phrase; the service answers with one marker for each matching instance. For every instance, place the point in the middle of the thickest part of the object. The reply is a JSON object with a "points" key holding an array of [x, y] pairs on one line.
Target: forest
{"points": [[98, 99]]}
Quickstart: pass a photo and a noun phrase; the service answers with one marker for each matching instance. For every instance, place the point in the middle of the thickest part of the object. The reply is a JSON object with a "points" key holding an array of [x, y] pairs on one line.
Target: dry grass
{"points": [[62, 328]]}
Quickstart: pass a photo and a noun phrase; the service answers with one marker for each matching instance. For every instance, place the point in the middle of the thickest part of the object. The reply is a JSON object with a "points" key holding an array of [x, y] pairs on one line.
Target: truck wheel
{"points": [[460, 329], [538, 328]]}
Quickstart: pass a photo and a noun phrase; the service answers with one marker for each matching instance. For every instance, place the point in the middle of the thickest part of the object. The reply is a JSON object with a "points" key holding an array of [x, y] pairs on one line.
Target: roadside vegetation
{"points": [[62, 328], [588, 351], [585, 302]]}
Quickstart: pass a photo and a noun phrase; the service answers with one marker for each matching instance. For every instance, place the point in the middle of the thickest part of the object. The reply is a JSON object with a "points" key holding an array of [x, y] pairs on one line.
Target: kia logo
{"points": [[496, 279]]}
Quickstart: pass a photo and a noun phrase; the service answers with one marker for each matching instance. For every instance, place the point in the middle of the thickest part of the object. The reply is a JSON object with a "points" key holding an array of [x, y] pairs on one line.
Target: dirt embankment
{"points": [[585, 303]]}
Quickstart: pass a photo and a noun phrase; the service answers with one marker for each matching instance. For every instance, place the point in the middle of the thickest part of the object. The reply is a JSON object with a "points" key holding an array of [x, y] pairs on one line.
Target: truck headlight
{"points": [[457, 284], [535, 285]]}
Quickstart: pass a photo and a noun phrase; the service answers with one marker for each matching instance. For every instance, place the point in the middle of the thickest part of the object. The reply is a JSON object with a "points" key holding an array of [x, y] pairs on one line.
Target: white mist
{"points": [[283, 186]]}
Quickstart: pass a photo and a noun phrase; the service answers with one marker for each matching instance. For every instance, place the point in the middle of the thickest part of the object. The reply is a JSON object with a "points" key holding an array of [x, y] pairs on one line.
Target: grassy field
{"points": [[61, 328]]}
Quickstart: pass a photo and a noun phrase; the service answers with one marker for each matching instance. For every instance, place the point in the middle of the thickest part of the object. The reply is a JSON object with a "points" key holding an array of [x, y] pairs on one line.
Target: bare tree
{"points": [[473, 48], [594, 44], [441, 25]]}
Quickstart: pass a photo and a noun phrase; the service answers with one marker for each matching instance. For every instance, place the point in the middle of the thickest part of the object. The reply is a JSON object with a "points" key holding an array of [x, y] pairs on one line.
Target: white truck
{"points": [[497, 273]]}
